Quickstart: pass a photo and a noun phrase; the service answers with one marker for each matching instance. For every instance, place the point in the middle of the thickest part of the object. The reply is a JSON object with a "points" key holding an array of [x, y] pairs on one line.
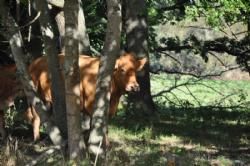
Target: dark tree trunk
{"points": [[15, 40], [72, 80], [137, 42], [102, 97], [58, 89]]}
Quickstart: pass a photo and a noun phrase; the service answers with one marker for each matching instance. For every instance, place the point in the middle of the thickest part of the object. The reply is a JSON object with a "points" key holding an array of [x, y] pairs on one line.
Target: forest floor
{"points": [[199, 122]]}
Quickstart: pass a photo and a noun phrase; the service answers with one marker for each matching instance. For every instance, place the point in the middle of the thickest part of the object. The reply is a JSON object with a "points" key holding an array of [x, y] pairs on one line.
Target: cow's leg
{"points": [[36, 124], [2, 125], [34, 119], [114, 101]]}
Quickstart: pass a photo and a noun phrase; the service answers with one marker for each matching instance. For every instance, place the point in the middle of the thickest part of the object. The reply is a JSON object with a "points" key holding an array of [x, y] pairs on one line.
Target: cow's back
{"points": [[88, 72], [38, 71]]}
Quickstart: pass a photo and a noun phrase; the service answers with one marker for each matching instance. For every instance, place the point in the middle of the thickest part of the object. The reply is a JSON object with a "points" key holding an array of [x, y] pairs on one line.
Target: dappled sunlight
{"points": [[214, 132], [191, 142], [48, 31], [113, 45], [172, 140]]}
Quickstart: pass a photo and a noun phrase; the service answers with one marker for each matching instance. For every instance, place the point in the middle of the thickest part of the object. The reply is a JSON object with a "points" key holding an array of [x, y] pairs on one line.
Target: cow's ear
{"points": [[141, 63], [116, 64]]}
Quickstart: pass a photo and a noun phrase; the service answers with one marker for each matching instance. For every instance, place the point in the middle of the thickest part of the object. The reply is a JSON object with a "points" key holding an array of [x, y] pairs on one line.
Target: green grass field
{"points": [[203, 122]]}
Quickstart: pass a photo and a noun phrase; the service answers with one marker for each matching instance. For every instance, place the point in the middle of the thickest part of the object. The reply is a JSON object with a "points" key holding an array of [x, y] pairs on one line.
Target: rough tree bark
{"points": [[58, 89], [84, 44], [102, 97], [58, 16], [57, 3], [72, 80], [137, 42], [12, 33]]}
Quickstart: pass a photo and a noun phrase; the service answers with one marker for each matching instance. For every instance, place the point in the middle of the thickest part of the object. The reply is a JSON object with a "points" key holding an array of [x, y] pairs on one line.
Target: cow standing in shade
{"points": [[123, 80]]}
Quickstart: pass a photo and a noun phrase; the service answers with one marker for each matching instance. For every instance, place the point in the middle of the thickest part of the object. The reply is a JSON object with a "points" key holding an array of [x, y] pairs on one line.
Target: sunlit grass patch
{"points": [[195, 92]]}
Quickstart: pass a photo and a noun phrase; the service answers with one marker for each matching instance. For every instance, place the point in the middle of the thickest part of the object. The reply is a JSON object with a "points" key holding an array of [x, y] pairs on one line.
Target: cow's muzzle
{"points": [[133, 88]]}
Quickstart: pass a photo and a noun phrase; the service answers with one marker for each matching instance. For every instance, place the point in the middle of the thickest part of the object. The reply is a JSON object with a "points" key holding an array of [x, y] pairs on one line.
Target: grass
{"points": [[203, 123], [202, 92]]}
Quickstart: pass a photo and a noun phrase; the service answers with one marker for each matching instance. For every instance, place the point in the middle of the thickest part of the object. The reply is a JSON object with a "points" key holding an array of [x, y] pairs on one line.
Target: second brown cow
{"points": [[10, 87]]}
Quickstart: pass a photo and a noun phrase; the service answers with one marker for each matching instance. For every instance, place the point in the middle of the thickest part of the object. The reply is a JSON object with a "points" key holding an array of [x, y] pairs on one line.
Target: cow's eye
{"points": [[123, 71]]}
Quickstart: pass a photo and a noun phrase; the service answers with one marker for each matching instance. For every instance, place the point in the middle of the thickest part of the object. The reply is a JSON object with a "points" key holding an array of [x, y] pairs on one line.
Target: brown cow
{"points": [[123, 80], [9, 89]]}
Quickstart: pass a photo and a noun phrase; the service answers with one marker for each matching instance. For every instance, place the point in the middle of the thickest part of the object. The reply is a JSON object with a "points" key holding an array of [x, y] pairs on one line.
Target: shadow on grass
{"points": [[227, 131]]}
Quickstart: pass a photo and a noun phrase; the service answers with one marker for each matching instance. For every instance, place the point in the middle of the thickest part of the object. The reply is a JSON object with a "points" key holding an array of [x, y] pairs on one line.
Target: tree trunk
{"points": [[102, 97], [137, 42], [57, 3], [84, 44], [58, 89], [15, 40], [72, 80], [58, 15]]}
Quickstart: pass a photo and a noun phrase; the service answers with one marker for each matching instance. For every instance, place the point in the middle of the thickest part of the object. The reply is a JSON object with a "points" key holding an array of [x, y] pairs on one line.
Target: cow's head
{"points": [[125, 72]]}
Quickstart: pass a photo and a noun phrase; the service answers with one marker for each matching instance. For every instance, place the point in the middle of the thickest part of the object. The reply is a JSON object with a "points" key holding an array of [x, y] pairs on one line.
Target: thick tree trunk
{"points": [[15, 39], [137, 42], [72, 80], [58, 89], [102, 97]]}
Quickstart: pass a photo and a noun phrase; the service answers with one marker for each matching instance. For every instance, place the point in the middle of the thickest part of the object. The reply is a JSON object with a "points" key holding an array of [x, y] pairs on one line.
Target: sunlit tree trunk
{"points": [[57, 3], [84, 44], [72, 79], [58, 16], [102, 97], [137, 42], [58, 90]]}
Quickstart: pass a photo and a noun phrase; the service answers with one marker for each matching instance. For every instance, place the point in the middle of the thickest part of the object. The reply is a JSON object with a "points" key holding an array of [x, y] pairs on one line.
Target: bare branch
{"points": [[195, 98], [172, 71], [174, 87], [221, 62], [175, 59]]}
